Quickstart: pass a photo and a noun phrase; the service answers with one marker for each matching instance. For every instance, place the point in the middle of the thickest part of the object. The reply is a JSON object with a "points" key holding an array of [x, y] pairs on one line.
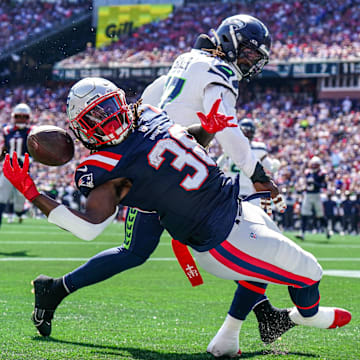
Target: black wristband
{"points": [[259, 174]]}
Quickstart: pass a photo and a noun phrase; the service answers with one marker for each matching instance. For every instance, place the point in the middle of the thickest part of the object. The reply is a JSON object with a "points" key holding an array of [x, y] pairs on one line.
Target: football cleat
{"points": [[229, 347], [325, 318], [45, 304], [226, 341], [273, 322]]}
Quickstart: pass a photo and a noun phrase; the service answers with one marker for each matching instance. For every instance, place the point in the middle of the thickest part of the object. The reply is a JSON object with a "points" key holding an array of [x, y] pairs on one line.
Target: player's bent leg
{"points": [[254, 251], [307, 311], [143, 236], [272, 322]]}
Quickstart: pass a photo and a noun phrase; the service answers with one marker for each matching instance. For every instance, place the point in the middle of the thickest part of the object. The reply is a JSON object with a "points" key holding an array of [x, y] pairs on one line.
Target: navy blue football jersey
{"points": [[15, 139], [170, 174], [315, 181]]}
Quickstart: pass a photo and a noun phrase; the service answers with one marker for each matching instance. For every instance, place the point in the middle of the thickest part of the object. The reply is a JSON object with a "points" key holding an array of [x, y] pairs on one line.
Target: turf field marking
{"points": [[74, 242], [343, 273], [337, 273]]}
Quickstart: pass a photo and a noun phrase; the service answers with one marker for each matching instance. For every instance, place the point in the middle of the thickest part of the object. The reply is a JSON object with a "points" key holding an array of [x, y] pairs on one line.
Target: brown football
{"points": [[50, 145]]}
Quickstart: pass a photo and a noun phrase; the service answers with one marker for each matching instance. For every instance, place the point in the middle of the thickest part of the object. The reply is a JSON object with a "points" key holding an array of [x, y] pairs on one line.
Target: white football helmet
{"points": [[315, 163], [21, 115], [98, 112]]}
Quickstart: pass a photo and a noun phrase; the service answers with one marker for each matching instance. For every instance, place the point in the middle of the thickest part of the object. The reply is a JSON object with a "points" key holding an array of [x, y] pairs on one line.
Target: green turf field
{"points": [[152, 312]]}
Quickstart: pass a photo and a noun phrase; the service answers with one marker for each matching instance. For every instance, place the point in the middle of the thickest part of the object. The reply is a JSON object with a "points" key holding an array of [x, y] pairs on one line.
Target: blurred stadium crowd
{"points": [[294, 126], [315, 29], [20, 21]]}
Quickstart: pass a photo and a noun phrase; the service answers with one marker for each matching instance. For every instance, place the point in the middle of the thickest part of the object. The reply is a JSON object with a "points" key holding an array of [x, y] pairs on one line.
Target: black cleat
{"points": [[300, 237], [45, 304], [273, 322]]}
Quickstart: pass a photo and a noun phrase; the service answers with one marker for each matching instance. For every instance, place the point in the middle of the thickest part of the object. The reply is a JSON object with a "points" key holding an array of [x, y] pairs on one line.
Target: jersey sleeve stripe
{"points": [[107, 154], [98, 164], [101, 159]]}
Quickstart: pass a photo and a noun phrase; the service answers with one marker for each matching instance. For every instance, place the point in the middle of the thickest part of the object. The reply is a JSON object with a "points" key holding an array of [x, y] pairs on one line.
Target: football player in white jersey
{"points": [[271, 165], [239, 50]]}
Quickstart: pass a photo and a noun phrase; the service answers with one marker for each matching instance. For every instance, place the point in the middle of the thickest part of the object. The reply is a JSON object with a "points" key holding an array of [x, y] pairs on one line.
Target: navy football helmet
{"points": [[247, 126], [246, 43]]}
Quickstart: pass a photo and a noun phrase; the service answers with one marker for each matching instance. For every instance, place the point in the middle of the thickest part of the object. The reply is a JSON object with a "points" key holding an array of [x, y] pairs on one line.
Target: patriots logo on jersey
{"points": [[86, 180]]}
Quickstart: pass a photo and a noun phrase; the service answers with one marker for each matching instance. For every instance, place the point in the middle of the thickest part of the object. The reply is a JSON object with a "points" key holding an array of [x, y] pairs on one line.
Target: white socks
{"points": [[226, 341]]}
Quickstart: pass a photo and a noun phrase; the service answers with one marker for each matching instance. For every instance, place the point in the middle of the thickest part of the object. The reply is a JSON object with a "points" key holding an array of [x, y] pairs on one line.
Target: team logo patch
{"points": [[252, 236], [86, 181]]}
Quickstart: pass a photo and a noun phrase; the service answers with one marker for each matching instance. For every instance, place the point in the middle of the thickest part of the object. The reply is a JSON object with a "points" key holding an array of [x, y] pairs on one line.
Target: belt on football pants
{"points": [[184, 256]]}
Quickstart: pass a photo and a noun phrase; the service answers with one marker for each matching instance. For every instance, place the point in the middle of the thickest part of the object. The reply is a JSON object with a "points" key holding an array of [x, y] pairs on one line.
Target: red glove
{"points": [[214, 121], [20, 177]]}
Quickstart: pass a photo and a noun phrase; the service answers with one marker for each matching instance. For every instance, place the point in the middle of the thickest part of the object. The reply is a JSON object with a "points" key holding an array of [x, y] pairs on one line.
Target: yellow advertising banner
{"points": [[114, 21]]}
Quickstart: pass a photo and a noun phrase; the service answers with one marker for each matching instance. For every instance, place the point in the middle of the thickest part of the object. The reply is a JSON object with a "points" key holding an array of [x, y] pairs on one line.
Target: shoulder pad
{"points": [[7, 129], [221, 73]]}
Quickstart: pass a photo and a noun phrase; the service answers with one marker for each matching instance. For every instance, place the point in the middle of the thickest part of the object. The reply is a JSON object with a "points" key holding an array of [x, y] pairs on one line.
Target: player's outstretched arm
{"points": [[101, 206]]}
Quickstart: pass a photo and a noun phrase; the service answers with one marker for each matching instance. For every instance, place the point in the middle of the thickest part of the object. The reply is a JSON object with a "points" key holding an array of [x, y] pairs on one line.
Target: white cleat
{"points": [[325, 318], [226, 341]]}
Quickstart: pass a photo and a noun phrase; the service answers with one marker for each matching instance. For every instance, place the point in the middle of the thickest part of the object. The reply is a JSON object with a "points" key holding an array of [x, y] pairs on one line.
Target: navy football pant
{"points": [[142, 235]]}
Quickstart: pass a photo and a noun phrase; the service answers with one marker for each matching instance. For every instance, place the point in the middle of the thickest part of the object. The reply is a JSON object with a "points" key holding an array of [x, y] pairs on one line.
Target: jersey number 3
{"points": [[183, 158]]}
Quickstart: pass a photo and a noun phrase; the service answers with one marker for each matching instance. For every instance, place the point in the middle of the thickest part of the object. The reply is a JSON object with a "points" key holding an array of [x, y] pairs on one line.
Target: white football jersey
{"points": [[193, 83], [260, 151]]}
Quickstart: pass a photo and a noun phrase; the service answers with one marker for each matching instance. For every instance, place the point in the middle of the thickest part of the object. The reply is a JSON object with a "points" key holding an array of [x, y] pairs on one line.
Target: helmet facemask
{"points": [[250, 59], [21, 120], [107, 120], [21, 115]]}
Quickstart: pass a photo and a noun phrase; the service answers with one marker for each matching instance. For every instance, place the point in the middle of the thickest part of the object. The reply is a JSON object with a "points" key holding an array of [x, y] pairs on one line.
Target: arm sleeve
{"points": [[67, 220], [153, 92], [232, 140]]}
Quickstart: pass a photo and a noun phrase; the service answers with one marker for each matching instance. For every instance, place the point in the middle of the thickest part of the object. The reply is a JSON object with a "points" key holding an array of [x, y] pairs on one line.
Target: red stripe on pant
{"points": [[252, 287], [265, 265]]}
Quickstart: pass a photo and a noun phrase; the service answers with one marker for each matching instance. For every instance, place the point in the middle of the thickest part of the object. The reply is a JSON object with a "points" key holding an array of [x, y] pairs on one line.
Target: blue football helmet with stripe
{"points": [[246, 43]]}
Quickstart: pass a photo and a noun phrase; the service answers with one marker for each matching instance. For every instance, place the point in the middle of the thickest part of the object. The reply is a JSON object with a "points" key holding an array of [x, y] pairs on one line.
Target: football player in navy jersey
{"points": [[141, 159], [14, 139], [315, 181]]}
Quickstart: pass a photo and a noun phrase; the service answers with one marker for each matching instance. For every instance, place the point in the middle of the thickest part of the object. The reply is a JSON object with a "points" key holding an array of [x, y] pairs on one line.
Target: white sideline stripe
{"points": [[343, 273], [74, 242], [26, 258], [54, 233], [337, 273], [62, 233], [67, 259]]}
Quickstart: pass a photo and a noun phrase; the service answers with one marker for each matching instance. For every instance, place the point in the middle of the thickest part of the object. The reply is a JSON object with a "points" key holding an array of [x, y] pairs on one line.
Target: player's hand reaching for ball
{"points": [[20, 177], [214, 121]]}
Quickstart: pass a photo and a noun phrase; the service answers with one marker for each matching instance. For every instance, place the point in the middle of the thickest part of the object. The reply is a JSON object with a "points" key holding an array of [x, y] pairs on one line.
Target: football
{"points": [[50, 145]]}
